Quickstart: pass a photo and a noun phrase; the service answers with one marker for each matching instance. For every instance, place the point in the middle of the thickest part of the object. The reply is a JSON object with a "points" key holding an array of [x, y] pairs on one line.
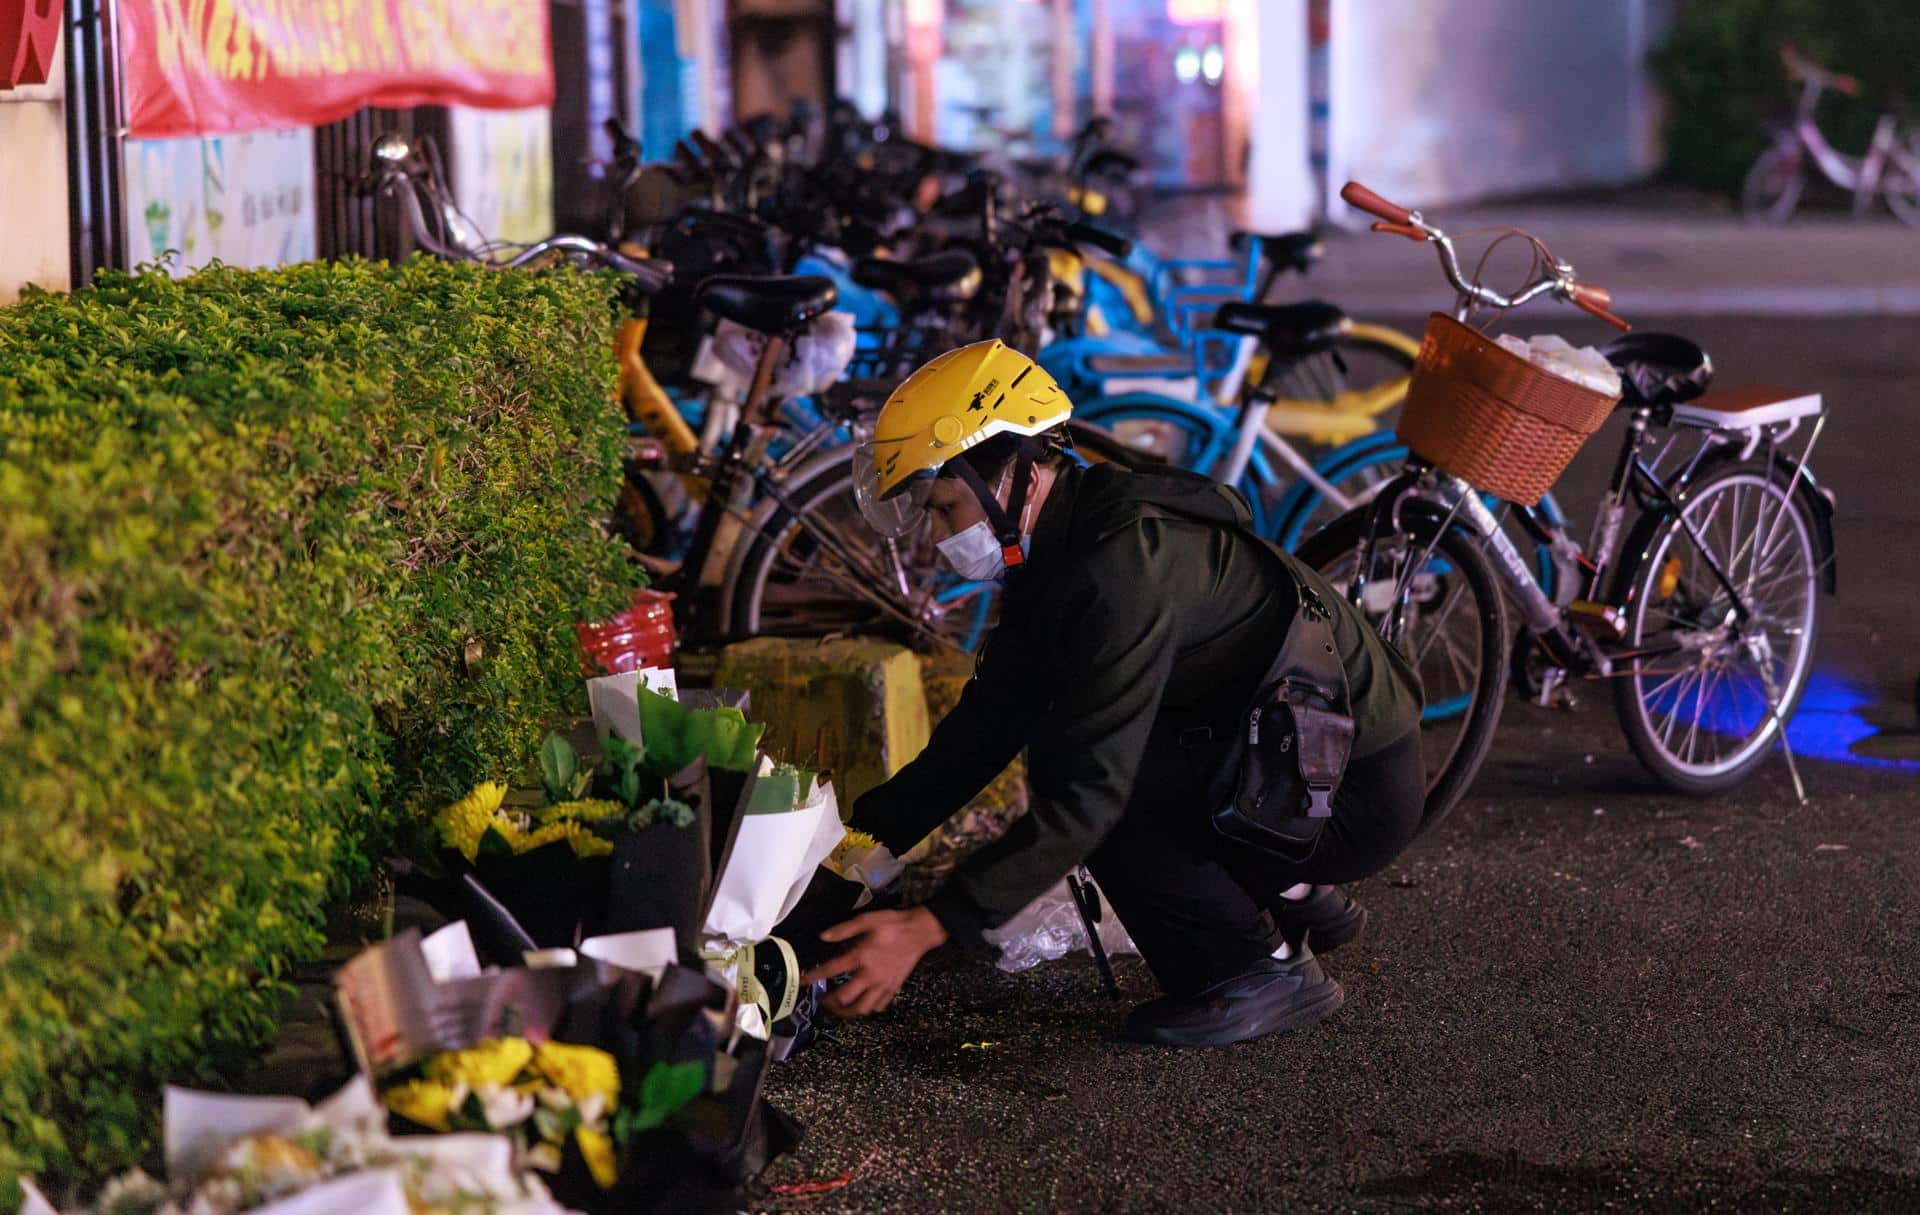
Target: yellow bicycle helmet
{"points": [[960, 399]]}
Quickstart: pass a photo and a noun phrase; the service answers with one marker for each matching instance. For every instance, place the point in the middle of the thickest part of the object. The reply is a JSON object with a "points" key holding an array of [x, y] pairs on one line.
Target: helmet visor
{"points": [[898, 515]]}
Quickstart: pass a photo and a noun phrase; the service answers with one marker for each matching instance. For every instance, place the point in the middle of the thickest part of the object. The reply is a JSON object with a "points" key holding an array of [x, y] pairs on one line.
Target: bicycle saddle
{"points": [[952, 274], [1658, 369], [1290, 331], [1287, 250], [768, 305], [1112, 162]]}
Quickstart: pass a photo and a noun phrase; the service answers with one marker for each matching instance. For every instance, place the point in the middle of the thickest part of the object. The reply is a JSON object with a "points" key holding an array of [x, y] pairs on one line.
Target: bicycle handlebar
{"points": [[1101, 239], [1596, 302], [1357, 195], [1406, 230], [1396, 220], [1800, 68]]}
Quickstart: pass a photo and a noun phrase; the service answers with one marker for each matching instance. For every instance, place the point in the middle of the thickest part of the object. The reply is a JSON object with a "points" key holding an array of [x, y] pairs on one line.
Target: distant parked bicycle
{"points": [[1889, 170]]}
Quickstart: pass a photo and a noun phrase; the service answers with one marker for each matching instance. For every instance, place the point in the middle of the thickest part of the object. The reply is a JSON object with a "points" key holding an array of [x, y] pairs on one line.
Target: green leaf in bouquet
{"points": [[675, 736], [775, 793], [731, 742], [469, 1115], [622, 771], [666, 1087], [494, 843], [559, 768], [555, 1125], [673, 812], [665, 726]]}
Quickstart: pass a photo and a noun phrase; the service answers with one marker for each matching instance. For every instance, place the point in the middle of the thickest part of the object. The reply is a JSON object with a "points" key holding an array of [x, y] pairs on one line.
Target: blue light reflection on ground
{"points": [[1826, 727], [1830, 722]]}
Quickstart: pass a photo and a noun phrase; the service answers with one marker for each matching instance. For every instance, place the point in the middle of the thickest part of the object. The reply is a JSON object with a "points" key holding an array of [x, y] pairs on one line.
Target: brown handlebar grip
{"points": [[1406, 230], [1850, 85], [1357, 195], [1594, 301], [1591, 294]]}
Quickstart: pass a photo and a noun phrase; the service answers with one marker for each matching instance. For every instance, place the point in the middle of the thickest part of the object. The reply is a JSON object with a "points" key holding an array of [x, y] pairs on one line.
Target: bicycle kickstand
{"points": [[1786, 748], [1086, 897]]}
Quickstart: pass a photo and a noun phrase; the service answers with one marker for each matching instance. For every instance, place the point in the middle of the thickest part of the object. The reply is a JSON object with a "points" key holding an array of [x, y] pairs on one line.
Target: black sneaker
{"points": [[1327, 918], [1274, 995]]}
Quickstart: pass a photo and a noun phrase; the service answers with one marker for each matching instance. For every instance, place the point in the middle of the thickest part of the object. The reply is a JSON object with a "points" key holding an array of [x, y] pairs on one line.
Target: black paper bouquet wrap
{"points": [[624, 1083]]}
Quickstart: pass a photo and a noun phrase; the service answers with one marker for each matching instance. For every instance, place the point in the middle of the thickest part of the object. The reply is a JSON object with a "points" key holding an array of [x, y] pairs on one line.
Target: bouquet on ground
{"points": [[620, 844], [279, 1156], [789, 824], [608, 1067]]}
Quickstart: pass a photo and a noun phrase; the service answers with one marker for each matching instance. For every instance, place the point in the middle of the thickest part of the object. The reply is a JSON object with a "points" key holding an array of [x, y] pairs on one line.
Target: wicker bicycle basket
{"points": [[1491, 418]]}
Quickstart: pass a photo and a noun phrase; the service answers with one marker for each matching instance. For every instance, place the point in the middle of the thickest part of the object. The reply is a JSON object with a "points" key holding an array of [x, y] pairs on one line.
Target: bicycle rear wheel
{"points": [[1901, 187], [816, 568], [1455, 634], [1703, 695]]}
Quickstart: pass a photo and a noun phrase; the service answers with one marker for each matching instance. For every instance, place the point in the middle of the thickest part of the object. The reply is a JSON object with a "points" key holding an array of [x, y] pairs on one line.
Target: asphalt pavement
{"points": [[1578, 992]]}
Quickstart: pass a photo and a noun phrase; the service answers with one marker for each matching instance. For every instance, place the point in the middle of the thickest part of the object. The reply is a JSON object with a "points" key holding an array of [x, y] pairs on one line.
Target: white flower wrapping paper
{"points": [[765, 872], [875, 868], [201, 1130], [614, 700], [772, 859]]}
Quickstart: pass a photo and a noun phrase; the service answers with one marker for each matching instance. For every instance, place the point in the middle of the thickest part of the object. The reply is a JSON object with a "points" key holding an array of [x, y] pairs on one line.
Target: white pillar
{"points": [[1100, 65], [1280, 191]]}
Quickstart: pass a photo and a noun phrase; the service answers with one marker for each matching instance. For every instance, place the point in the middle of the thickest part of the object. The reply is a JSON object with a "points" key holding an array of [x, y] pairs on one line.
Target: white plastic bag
{"points": [[818, 359], [1583, 365], [1050, 927], [820, 356]]}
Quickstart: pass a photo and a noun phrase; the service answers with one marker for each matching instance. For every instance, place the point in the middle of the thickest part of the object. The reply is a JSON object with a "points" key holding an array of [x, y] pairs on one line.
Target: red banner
{"points": [[218, 67], [29, 31]]}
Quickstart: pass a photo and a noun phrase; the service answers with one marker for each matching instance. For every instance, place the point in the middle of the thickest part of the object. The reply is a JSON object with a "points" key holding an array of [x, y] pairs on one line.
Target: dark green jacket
{"points": [[1142, 592]]}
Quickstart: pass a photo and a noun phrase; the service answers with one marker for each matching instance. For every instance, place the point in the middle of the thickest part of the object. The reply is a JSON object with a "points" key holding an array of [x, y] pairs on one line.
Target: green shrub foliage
{"points": [[1720, 68], [285, 558]]}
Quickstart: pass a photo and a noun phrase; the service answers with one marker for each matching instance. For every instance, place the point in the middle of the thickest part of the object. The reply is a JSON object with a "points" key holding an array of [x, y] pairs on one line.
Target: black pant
{"points": [[1195, 902]]}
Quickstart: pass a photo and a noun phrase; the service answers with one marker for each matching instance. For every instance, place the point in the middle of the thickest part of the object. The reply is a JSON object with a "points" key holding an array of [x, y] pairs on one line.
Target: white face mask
{"points": [[974, 553]]}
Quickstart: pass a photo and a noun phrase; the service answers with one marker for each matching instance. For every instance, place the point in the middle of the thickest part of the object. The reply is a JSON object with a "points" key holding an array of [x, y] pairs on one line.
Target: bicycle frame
{"points": [[1634, 477]]}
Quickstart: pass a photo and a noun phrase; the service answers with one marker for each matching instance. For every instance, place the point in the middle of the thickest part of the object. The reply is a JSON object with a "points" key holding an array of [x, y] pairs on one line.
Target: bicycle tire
{"points": [[1639, 585], [1901, 189], [756, 612], [1386, 456], [640, 517], [1451, 775], [1772, 187]]}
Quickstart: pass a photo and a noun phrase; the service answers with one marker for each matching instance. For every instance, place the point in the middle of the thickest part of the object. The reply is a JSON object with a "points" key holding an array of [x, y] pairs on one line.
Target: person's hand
{"points": [[887, 945]]}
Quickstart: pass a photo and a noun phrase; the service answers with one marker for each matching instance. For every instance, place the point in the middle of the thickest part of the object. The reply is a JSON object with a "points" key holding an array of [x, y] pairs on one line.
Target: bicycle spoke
{"points": [[1439, 618]]}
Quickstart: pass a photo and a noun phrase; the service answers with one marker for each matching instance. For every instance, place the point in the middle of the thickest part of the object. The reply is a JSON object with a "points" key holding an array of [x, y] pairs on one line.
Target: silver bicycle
{"points": [[1696, 597]]}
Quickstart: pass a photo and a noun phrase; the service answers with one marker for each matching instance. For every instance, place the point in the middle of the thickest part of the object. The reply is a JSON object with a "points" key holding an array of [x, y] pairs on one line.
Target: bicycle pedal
{"points": [[1597, 619]]}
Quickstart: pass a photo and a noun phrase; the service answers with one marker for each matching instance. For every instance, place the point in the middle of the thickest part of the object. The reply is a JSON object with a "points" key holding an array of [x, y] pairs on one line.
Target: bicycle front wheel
{"points": [[1704, 692], [1434, 597], [1772, 188]]}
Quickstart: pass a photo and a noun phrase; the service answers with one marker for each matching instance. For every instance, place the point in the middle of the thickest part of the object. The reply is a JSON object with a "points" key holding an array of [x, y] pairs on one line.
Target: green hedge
{"points": [[1720, 68], [285, 556]]}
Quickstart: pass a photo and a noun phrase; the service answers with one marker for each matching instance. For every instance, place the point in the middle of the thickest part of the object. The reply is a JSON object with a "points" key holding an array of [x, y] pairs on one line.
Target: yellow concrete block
{"points": [[854, 705]]}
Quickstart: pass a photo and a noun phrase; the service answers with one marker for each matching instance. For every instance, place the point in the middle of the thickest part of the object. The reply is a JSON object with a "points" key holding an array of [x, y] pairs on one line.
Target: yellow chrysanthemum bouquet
{"points": [[557, 1098], [608, 846]]}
